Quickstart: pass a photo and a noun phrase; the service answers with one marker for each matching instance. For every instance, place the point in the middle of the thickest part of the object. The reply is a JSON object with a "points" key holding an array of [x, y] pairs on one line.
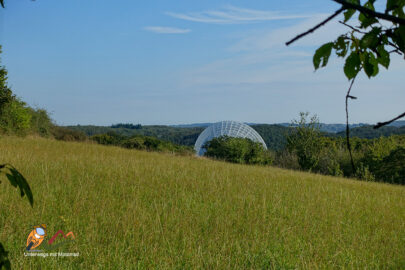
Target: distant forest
{"points": [[273, 134]]}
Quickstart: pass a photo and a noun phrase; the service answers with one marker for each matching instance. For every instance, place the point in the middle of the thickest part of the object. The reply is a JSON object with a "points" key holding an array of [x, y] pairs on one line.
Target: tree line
{"points": [[308, 149]]}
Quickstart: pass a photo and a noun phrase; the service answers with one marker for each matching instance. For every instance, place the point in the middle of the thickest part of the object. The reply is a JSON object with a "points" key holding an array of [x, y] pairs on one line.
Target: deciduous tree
{"points": [[371, 39]]}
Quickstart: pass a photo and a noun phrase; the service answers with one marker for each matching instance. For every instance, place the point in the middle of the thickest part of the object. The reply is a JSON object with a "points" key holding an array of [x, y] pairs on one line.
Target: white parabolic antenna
{"points": [[226, 128]]}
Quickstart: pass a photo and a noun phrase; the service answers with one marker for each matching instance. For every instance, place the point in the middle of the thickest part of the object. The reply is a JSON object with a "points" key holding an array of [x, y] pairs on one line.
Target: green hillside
{"points": [[139, 210], [177, 135]]}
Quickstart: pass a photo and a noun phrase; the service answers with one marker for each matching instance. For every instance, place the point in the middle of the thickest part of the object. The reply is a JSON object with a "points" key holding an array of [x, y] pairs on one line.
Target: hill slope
{"points": [[177, 135], [133, 209]]}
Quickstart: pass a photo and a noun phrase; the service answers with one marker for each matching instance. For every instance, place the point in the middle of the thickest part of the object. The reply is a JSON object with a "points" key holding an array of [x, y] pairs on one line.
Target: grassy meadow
{"points": [[138, 210]]}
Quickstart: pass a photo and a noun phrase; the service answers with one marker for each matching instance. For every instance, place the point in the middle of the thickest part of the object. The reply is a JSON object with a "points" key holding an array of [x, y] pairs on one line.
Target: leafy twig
{"points": [[353, 28]]}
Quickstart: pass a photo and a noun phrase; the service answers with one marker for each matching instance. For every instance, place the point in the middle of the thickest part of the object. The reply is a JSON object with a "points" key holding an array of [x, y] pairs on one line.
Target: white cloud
{"points": [[273, 81], [261, 57], [235, 15], [166, 30], [268, 40]]}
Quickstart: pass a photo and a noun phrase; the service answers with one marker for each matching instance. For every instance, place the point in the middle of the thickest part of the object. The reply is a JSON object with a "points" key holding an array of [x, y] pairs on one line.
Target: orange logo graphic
{"points": [[38, 234]]}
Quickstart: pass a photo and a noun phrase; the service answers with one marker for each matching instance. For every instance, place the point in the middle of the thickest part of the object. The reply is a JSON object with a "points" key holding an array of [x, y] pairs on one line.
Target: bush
{"points": [[237, 150], [41, 123], [287, 160], [392, 167], [363, 173], [305, 141], [134, 143], [15, 118], [153, 144], [331, 157], [65, 134], [375, 153], [141, 143], [14, 115]]}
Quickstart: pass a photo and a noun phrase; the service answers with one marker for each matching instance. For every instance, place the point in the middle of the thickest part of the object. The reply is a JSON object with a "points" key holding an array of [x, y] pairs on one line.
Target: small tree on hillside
{"points": [[368, 44], [15, 117], [305, 141]]}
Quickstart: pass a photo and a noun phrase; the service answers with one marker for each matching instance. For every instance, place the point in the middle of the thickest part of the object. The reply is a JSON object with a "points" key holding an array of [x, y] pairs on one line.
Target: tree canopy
{"points": [[371, 39], [368, 44]]}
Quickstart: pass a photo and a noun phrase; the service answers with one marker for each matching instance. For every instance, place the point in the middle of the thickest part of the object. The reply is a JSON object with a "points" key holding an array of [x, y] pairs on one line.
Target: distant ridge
{"points": [[191, 125], [331, 128], [398, 123]]}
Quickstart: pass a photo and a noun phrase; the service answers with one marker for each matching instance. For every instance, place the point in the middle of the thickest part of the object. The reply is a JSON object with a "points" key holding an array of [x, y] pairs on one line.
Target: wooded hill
{"points": [[274, 135]]}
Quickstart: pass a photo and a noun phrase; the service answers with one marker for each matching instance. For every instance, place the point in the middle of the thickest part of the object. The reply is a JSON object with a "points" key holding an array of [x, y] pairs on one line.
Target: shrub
{"points": [[65, 134], [153, 144], [287, 160], [41, 123], [305, 141], [377, 151], [363, 173], [237, 150], [15, 118], [141, 143], [134, 143], [392, 167]]}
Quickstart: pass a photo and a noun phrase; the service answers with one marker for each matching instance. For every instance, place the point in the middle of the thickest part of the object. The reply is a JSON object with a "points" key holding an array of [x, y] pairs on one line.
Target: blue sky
{"points": [[171, 62]]}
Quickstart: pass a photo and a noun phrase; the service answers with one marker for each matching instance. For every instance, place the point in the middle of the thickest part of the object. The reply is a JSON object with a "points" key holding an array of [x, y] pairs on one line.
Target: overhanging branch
{"points": [[384, 16], [381, 124], [337, 12]]}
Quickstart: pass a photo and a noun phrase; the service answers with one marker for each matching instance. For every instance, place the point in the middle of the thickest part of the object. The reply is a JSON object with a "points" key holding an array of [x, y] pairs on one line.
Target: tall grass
{"points": [[131, 209]]}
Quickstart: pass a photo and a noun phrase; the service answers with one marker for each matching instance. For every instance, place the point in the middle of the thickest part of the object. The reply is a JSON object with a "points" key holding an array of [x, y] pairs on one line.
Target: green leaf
{"points": [[371, 39], [383, 56], [370, 65], [391, 4], [2, 3], [348, 14], [322, 55], [352, 65], [357, 2], [341, 46], [367, 20], [399, 37], [394, 4]]}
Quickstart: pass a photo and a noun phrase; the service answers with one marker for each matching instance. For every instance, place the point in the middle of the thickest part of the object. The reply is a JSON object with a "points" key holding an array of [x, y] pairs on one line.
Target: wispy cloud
{"points": [[267, 40], [234, 15], [166, 30], [261, 57]]}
